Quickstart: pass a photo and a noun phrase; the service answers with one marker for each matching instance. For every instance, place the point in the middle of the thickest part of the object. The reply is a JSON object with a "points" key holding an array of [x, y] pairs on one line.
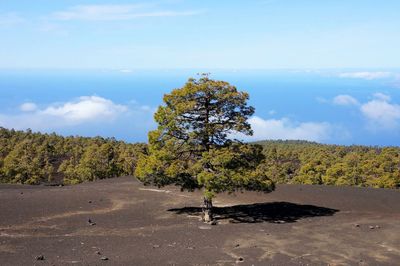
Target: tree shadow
{"points": [[272, 212]]}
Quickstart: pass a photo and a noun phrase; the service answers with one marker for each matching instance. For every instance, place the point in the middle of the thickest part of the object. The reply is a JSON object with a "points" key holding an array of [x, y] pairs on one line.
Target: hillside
{"points": [[131, 224]]}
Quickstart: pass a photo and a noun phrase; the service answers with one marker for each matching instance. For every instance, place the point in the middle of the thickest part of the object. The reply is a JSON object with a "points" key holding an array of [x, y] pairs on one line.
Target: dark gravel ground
{"points": [[135, 225]]}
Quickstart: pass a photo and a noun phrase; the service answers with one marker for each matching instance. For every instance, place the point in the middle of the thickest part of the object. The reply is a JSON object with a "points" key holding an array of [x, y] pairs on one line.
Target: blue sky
{"points": [[325, 71], [190, 34]]}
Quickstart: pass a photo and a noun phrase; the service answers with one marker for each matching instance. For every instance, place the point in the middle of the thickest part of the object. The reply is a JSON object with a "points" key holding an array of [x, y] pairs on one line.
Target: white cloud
{"points": [[116, 12], [286, 129], [272, 112], [10, 19], [382, 96], [127, 71], [83, 110], [28, 107], [381, 113], [368, 75], [345, 99]]}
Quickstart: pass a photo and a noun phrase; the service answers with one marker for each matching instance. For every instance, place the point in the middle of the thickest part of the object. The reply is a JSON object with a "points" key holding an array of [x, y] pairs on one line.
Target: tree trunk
{"points": [[207, 210]]}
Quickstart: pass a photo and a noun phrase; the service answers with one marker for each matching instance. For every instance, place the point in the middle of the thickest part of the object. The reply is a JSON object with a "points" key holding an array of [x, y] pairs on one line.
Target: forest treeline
{"points": [[35, 158], [301, 162]]}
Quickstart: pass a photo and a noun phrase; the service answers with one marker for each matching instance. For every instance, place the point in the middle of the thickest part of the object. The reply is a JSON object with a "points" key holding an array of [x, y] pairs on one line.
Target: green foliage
{"points": [[191, 148], [27, 163], [33, 158], [311, 163]]}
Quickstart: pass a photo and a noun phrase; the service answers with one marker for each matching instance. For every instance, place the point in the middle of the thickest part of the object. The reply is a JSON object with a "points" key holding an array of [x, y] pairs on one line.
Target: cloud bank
{"points": [[86, 108], [368, 75], [116, 12], [287, 129], [28, 107], [345, 100], [379, 112]]}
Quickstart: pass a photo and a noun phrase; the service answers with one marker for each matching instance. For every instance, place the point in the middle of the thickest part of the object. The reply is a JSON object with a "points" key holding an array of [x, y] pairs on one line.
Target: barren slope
{"points": [[137, 225]]}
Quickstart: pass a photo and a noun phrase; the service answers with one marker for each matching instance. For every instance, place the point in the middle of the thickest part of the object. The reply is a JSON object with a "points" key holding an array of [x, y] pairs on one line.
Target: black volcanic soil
{"points": [[137, 225]]}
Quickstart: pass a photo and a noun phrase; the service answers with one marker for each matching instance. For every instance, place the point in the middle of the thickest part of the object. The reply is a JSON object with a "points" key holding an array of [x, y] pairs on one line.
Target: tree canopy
{"points": [[192, 146]]}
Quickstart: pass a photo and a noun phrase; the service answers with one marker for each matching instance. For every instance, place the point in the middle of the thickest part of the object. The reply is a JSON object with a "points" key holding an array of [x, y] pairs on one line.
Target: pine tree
{"points": [[192, 146]]}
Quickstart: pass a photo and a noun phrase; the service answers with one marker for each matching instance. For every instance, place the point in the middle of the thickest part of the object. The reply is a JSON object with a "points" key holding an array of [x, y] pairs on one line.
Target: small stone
{"points": [[204, 227], [89, 201], [213, 222], [90, 222], [40, 257], [357, 225], [22, 193], [377, 226], [98, 252], [104, 258], [371, 227], [240, 259], [237, 245], [156, 246]]}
